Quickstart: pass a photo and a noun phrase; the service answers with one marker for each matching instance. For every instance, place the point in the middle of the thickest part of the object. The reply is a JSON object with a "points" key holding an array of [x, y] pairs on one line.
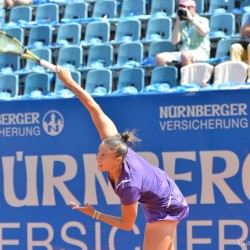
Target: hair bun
{"points": [[129, 137], [125, 137]]}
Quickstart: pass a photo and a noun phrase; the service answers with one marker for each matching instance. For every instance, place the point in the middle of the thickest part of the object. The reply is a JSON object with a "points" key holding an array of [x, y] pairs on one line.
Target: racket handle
{"points": [[47, 65]]}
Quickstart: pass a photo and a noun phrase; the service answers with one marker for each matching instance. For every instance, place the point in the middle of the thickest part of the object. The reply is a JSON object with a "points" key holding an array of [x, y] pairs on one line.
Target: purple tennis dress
{"points": [[151, 186]]}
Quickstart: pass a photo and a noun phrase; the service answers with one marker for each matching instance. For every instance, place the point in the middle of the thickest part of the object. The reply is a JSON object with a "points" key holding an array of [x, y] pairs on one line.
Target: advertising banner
{"points": [[48, 149]]}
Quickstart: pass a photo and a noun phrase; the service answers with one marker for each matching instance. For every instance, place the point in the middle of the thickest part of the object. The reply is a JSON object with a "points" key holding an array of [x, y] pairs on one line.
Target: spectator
{"points": [[240, 51], [13, 3], [192, 32]]}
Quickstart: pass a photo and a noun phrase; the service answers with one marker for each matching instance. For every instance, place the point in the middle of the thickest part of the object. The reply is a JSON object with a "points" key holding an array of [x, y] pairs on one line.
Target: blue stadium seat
{"points": [[9, 85], [130, 54], [47, 13], [75, 11], [100, 56], [20, 13], [228, 5], [99, 81], [222, 25], [37, 82], [160, 46], [133, 8], [159, 28], [162, 74], [105, 9], [40, 35], [9, 63], [127, 30], [71, 57], [131, 79], [69, 33], [167, 7], [16, 32], [97, 32]]}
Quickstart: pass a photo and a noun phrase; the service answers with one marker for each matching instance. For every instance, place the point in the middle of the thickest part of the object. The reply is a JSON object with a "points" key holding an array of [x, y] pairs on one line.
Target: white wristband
{"points": [[97, 215], [94, 214]]}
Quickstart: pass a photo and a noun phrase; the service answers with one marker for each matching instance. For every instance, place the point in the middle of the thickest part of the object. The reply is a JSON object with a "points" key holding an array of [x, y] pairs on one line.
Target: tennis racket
{"points": [[11, 45]]}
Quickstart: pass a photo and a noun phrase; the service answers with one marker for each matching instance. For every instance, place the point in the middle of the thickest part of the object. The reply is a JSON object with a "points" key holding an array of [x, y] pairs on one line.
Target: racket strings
{"points": [[9, 44]]}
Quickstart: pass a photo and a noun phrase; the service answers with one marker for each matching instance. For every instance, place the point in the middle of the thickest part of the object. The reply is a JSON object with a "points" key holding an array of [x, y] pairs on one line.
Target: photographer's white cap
{"points": [[187, 3]]}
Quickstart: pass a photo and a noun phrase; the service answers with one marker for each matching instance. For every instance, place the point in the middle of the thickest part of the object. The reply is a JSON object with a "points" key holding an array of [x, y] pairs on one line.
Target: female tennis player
{"points": [[133, 179]]}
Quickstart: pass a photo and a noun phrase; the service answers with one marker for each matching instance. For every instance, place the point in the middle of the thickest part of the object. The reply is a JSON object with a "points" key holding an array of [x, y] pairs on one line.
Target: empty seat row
{"points": [[97, 82], [131, 81], [108, 9], [95, 32], [128, 55]]}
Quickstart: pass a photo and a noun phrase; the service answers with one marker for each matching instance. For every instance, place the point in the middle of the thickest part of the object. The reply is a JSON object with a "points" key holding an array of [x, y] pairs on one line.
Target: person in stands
{"points": [[13, 3], [191, 32], [240, 51]]}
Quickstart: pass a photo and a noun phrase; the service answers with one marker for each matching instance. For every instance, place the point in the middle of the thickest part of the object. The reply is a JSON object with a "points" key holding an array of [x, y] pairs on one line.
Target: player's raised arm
{"points": [[103, 123]]}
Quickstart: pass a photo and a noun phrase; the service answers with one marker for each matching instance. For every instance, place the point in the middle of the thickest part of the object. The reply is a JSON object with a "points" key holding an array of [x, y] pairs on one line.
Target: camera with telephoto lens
{"points": [[182, 13]]}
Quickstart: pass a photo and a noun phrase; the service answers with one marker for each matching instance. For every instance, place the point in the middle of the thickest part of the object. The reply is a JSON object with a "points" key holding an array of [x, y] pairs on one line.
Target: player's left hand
{"points": [[87, 209]]}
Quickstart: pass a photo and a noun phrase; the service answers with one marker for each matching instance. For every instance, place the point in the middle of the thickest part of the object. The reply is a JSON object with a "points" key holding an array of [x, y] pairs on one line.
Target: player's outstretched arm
{"points": [[103, 123]]}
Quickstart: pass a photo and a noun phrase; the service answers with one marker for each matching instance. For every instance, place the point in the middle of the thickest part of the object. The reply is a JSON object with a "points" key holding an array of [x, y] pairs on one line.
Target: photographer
{"points": [[192, 32]]}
